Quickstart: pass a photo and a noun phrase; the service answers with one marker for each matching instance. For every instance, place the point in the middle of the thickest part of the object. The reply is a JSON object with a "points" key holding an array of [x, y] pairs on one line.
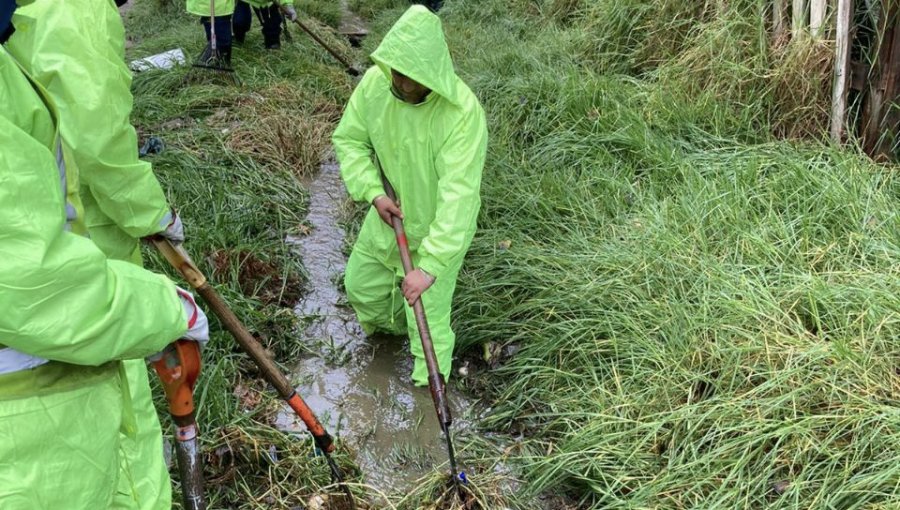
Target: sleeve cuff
{"points": [[432, 266], [164, 222], [374, 193]]}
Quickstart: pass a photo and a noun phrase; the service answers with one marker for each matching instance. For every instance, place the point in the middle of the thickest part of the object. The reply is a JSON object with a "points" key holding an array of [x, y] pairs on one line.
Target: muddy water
{"points": [[351, 24], [360, 387]]}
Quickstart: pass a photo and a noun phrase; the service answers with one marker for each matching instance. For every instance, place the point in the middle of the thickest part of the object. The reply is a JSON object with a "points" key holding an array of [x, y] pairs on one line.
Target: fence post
{"points": [[778, 18], [817, 17], [798, 18], [841, 70]]}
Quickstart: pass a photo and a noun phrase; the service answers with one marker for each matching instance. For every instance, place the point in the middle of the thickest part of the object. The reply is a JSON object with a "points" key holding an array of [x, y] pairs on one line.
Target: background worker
{"points": [[70, 314], [75, 50], [269, 17], [429, 134], [223, 11], [433, 5]]}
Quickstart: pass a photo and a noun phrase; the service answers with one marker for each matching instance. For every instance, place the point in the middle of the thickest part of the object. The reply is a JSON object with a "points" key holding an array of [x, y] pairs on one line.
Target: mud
{"points": [[257, 278], [360, 387]]}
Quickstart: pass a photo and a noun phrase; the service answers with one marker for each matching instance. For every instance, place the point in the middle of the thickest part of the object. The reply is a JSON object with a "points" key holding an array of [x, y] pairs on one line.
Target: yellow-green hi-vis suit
{"points": [[75, 50], [201, 7], [69, 313], [433, 154]]}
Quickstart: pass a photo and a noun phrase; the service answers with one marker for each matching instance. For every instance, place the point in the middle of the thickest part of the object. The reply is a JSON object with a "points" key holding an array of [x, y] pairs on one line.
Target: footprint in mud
{"points": [[360, 387]]}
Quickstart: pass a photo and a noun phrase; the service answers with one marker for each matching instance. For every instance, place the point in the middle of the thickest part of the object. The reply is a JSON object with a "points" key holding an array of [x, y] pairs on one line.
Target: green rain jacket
{"points": [[123, 201], [432, 153], [201, 7], [62, 300], [266, 3], [76, 50]]}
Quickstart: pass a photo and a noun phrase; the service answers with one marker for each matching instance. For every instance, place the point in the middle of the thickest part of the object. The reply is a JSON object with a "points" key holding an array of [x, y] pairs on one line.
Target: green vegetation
{"points": [[706, 316]]}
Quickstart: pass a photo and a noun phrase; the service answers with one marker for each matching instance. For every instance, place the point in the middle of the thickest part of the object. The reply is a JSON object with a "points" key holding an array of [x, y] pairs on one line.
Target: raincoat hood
{"points": [[415, 47]]}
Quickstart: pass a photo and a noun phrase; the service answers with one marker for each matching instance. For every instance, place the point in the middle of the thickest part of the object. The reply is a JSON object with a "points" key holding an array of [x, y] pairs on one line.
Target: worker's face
{"points": [[408, 89]]}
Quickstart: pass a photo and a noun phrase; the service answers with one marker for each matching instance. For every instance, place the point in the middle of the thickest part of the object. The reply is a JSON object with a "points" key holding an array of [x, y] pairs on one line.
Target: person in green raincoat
{"points": [[221, 21], [75, 49], [70, 314], [427, 131], [269, 15]]}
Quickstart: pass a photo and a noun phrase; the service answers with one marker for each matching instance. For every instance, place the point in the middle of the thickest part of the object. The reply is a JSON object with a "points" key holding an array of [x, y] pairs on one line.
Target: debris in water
{"points": [[247, 397]]}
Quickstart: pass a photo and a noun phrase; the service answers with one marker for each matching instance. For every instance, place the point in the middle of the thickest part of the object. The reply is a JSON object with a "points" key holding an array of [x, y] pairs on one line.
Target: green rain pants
{"points": [[372, 279], [41, 411]]}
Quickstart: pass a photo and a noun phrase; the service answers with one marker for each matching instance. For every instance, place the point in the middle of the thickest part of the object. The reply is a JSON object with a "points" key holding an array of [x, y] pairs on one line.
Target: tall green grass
{"points": [[706, 316]]}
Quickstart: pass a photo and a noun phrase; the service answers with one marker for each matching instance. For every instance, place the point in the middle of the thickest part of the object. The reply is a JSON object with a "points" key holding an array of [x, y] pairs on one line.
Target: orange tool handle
{"points": [[178, 369]]}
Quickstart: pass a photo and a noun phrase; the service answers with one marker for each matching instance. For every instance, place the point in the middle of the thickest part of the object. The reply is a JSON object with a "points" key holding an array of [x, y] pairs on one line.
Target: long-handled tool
{"points": [[178, 369], [435, 379], [180, 260], [348, 67]]}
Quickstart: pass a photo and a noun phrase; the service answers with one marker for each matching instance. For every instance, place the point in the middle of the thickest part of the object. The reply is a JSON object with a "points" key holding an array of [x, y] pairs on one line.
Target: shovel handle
{"points": [[435, 380], [180, 260], [348, 67]]}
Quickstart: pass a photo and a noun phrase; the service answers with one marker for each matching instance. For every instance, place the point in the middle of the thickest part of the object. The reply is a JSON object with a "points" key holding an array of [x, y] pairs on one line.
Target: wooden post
{"points": [[778, 18], [817, 17], [841, 68], [798, 18], [880, 117]]}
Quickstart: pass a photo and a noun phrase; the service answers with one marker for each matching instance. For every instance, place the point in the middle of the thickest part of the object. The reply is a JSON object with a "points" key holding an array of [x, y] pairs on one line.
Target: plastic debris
{"points": [[164, 60]]}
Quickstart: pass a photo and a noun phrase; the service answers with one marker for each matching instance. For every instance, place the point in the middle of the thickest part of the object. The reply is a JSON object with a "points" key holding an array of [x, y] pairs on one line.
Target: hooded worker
{"points": [[75, 50], [70, 315], [426, 128], [269, 14]]}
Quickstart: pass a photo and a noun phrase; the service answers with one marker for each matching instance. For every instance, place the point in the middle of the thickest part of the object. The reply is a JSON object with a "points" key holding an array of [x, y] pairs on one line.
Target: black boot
{"points": [[225, 51], [205, 57], [271, 26]]}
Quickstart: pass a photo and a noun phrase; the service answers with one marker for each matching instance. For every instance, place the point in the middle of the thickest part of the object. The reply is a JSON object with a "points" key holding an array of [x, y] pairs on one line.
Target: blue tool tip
{"points": [[463, 478]]}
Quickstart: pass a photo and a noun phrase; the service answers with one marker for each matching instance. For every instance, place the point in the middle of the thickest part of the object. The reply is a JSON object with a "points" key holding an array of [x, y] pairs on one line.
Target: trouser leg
{"points": [[143, 477], [270, 17], [372, 289], [243, 20], [223, 38], [437, 302]]}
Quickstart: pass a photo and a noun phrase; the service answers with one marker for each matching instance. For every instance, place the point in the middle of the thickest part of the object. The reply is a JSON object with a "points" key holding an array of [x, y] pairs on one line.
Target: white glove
{"points": [[174, 229], [198, 325], [290, 13]]}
